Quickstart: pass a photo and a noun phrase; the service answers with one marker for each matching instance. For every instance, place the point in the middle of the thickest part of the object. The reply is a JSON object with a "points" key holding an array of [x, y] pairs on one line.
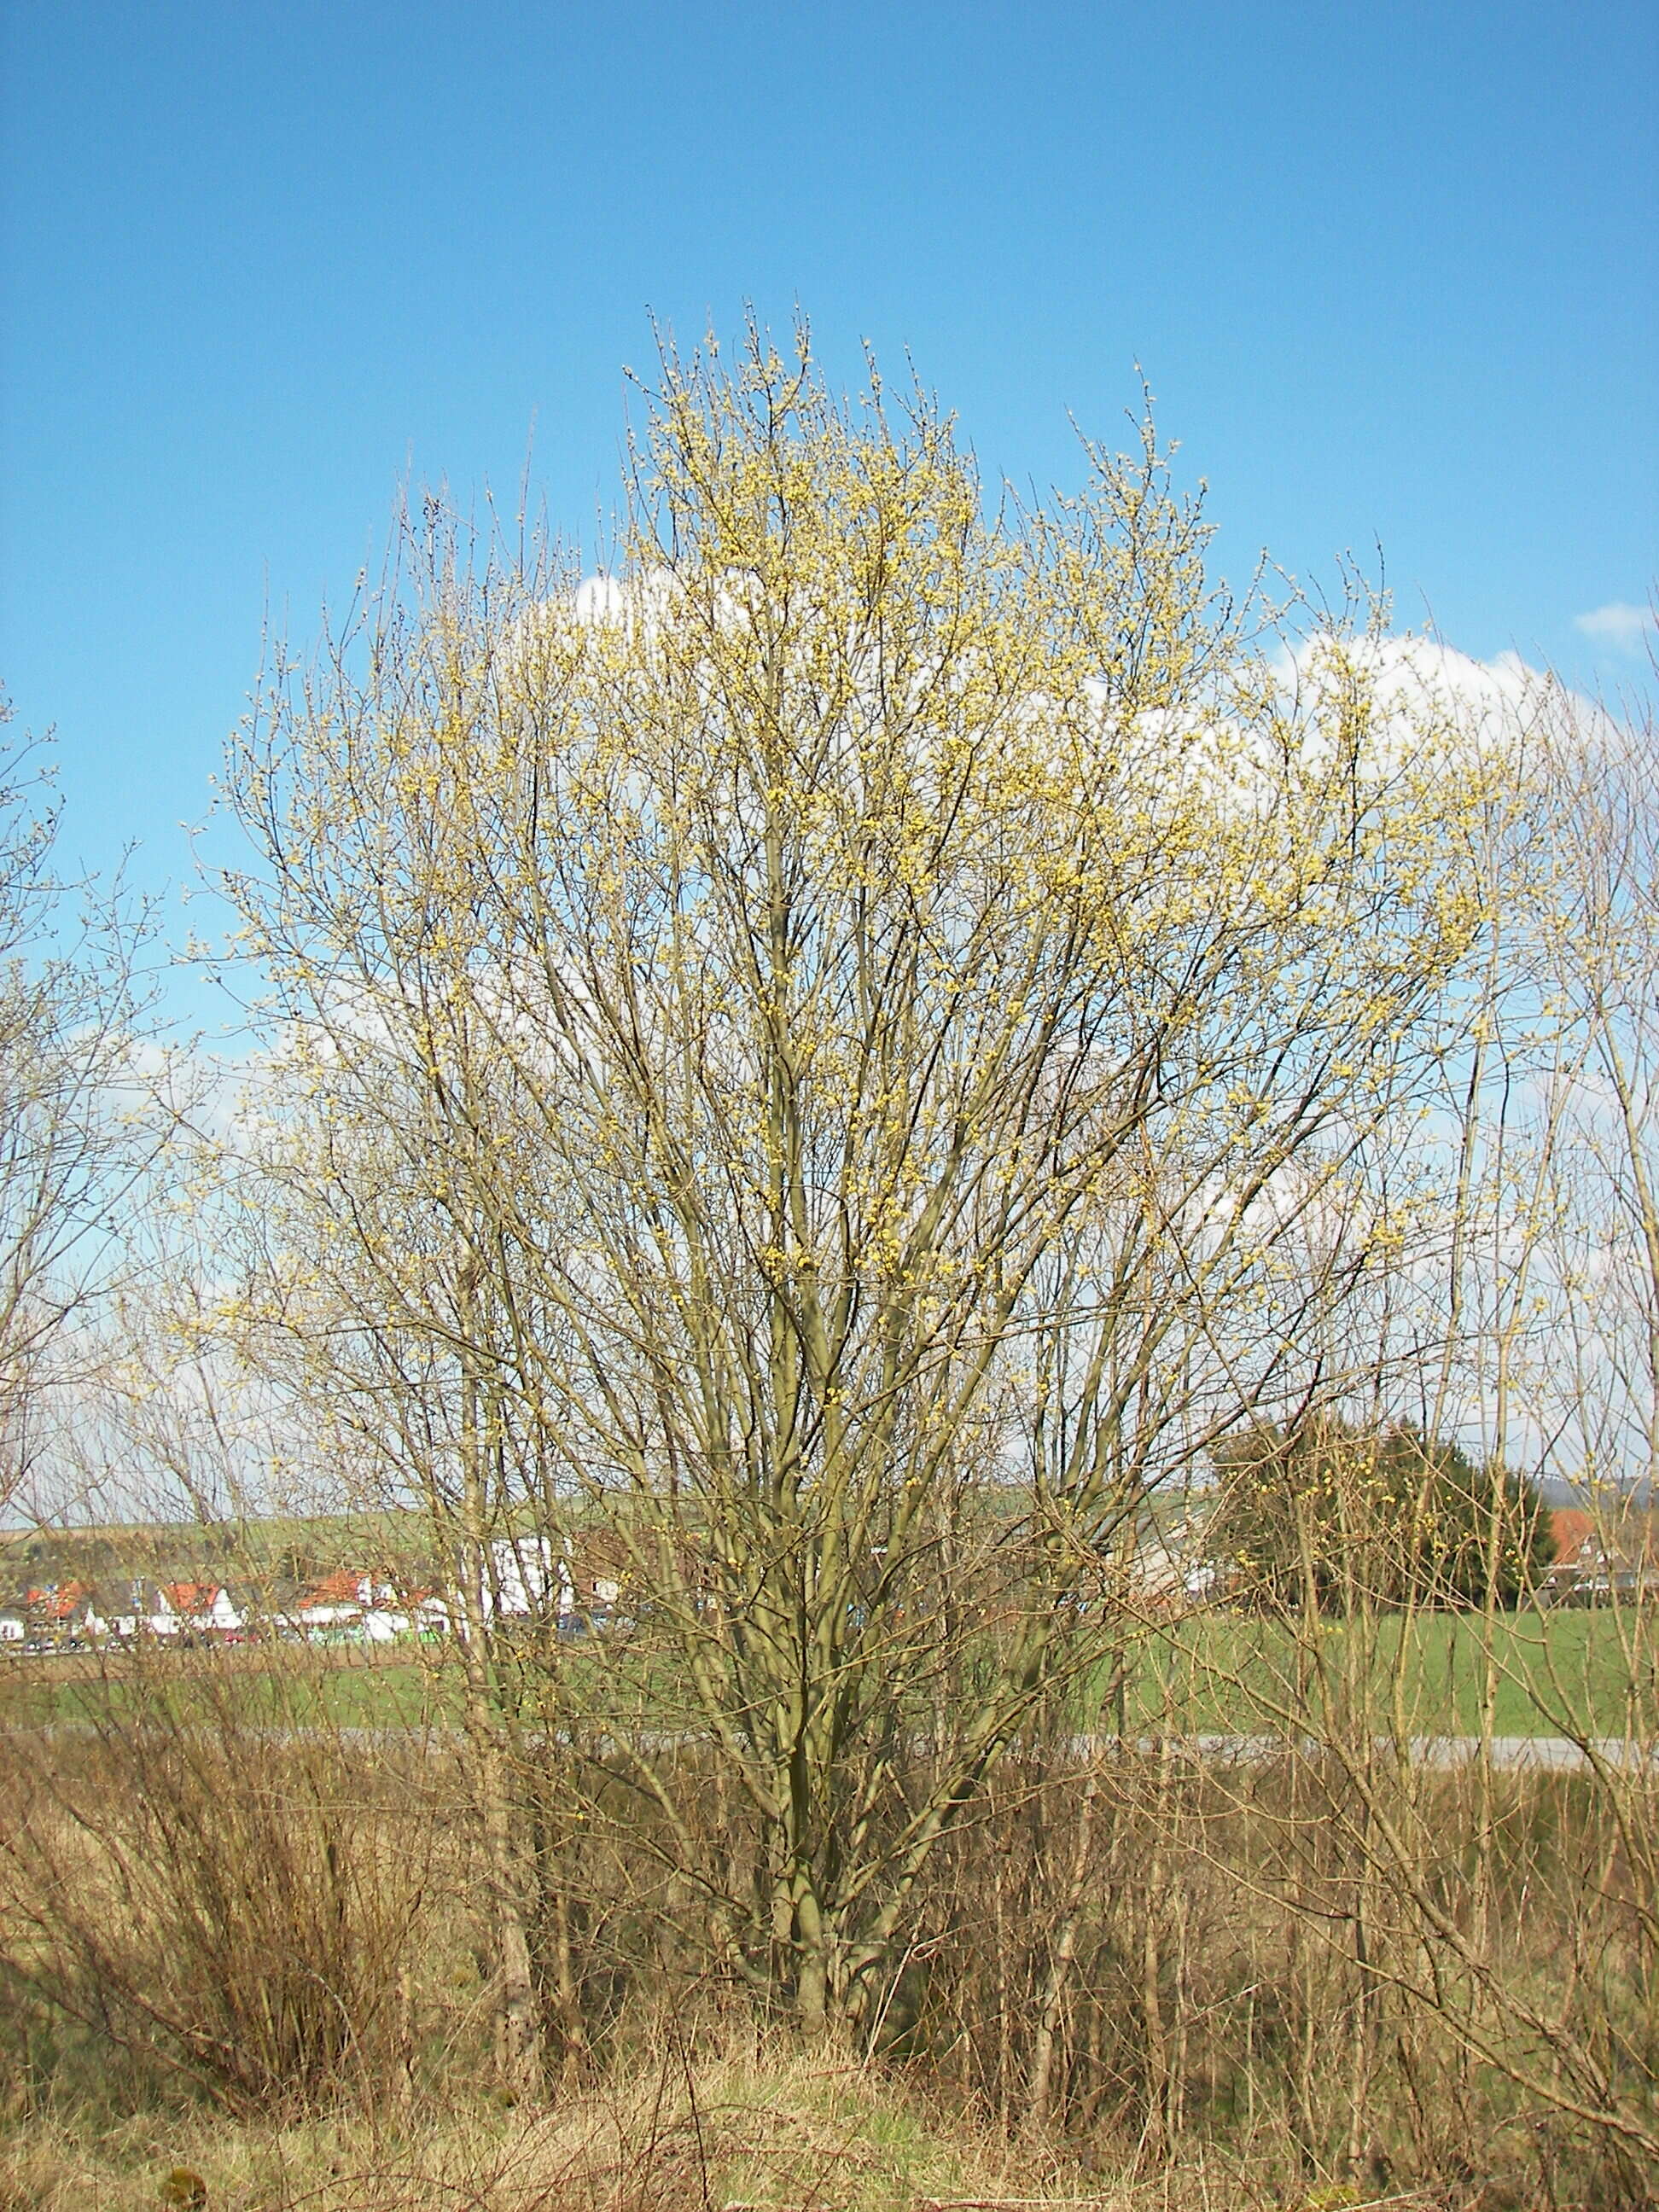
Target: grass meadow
{"points": [[1561, 1673]]}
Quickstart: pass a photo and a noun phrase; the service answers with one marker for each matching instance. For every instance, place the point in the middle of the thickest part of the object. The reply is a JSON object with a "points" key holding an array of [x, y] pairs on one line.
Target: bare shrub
{"points": [[221, 1893]]}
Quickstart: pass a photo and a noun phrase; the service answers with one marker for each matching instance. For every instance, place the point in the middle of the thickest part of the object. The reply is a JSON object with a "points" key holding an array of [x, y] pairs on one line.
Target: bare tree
{"points": [[75, 1133]]}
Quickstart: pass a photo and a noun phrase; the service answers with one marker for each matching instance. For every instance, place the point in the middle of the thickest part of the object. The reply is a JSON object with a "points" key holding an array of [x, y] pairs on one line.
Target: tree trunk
{"points": [[1039, 2085]]}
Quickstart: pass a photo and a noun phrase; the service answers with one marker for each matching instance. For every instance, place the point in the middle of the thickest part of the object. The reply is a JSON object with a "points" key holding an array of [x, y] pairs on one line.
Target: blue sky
{"points": [[1390, 271]]}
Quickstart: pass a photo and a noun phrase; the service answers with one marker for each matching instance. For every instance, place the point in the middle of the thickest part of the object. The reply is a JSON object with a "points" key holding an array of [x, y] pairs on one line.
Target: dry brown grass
{"points": [[259, 1956], [756, 2125]]}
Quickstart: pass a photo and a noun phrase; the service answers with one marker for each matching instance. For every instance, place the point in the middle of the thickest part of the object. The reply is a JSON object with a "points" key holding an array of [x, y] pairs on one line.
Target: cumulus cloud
{"points": [[1413, 670], [1431, 699], [1617, 624]]}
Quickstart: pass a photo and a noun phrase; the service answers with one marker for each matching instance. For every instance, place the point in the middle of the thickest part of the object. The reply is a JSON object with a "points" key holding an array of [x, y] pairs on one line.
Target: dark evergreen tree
{"points": [[1327, 1511]]}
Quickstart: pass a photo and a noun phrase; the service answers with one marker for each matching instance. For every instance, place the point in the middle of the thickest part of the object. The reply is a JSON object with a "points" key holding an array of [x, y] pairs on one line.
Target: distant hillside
{"points": [[1555, 1489]]}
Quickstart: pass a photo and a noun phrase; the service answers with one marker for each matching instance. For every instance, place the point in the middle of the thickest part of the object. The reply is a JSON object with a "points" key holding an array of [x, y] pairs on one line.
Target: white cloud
{"points": [[1412, 670], [1617, 624], [1432, 699]]}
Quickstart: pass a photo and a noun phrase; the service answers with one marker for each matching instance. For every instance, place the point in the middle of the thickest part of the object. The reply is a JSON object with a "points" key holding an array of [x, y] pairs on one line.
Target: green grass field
{"points": [[1556, 1673]]}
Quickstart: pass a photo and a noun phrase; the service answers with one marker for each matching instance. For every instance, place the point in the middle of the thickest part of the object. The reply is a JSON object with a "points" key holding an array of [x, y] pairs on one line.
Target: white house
{"points": [[200, 1608], [523, 1575]]}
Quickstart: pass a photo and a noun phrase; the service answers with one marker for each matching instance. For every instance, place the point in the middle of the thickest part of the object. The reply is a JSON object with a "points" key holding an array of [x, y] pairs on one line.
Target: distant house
{"points": [[595, 1572], [195, 1608], [521, 1578], [58, 1612], [335, 1599], [14, 1624], [100, 1626], [525, 1577], [1601, 1558], [1167, 1567], [1157, 1565], [351, 1607]]}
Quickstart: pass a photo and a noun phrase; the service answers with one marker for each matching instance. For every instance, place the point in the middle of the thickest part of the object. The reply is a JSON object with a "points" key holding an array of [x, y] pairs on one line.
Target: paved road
{"points": [[1546, 1754], [1557, 1754]]}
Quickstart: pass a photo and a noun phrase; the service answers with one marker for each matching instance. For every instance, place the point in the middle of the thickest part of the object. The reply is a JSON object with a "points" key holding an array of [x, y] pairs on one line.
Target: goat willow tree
{"points": [[827, 1054]]}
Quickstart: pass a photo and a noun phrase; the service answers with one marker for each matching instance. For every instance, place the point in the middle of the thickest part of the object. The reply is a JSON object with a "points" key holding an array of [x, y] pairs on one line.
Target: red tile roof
{"points": [[190, 1597], [1568, 1529], [58, 1601], [343, 1587]]}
